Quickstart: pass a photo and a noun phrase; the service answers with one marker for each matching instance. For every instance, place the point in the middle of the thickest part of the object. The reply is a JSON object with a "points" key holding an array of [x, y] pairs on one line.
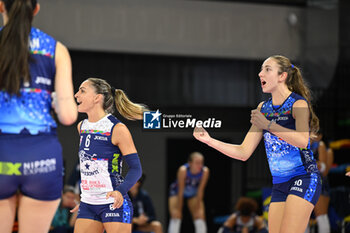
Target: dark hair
{"points": [[246, 206], [296, 83], [14, 44], [119, 99]]}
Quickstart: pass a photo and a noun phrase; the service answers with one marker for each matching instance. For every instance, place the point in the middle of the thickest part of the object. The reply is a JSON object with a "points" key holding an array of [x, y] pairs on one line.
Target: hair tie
{"points": [[292, 66], [113, 91]]}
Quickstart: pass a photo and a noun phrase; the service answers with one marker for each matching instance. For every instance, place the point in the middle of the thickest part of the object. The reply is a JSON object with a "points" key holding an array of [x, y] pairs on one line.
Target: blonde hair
{"points": [[118, 99], [194, 154], [296, 83]]}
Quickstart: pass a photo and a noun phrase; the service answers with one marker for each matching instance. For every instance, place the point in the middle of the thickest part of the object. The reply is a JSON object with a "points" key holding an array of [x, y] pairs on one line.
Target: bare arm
{"points": [[203, 183], [298, 137], [240, 152], [65, 106], [322, 158], [122, 138], [259, 223], [181, 177], [231, 221]]}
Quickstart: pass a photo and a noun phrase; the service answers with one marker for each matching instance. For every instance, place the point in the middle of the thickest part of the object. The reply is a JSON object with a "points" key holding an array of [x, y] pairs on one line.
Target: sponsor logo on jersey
{"points": [[101, 138], [39, 166], [296, 189], [8, 168], [43, 80]]}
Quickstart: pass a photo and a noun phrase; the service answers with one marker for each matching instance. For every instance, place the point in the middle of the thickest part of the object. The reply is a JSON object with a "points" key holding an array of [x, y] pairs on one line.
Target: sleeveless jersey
{"points": [[191, 183], [30, 111], [285, 160], [100, 160]]}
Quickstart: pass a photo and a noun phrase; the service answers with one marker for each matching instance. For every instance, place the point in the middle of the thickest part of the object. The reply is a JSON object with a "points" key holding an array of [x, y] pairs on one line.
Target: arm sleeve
{"points": [[133, 175]]}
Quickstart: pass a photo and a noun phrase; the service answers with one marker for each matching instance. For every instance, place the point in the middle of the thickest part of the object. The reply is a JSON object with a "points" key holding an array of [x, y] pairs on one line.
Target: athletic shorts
{"points": [[306, 186], [31, 164], [106, 213], [188, 192]]}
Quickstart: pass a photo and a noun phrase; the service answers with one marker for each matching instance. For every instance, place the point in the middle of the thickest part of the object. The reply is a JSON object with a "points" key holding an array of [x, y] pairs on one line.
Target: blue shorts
{"points": [[306, 186], [31, 164], [106, 213], [189, 192]]}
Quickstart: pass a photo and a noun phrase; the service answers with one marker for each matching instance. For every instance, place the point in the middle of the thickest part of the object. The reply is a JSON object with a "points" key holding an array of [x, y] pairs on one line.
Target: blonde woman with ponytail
{"points": [[34, 67], [104, 143], [286, 121]]}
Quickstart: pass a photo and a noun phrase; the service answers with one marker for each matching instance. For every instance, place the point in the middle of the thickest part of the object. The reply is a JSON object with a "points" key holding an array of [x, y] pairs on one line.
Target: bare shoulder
{"points": [[120, 128], [120, 133], [182, 168], [61, 47], [300, 104]]}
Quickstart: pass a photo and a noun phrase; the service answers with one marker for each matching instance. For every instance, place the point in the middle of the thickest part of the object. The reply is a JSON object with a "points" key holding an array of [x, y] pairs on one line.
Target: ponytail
{"points": [[126, 108], [117, 98], [14, 44], [296, 83]]}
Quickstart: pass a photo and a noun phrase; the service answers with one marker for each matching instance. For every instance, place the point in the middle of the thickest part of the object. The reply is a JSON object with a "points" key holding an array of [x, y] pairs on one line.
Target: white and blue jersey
{"points": [[100, 161], [191, 183], [285, 160], [30, 111]]}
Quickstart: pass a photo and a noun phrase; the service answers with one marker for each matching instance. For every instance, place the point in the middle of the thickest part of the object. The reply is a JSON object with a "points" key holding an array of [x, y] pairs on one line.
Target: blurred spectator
{"points": [[244, 220], [144, 219], [63, 221]]}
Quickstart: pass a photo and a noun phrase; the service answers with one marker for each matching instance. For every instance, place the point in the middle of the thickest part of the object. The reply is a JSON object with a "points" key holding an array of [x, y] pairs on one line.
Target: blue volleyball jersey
{"points": [[285, 160], [30, 111], [100, 160], [191, 183]]}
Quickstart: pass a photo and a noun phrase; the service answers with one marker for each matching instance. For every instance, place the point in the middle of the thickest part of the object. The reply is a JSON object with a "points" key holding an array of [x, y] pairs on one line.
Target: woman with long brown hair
{"points": [[286, 121], [33, 65]]}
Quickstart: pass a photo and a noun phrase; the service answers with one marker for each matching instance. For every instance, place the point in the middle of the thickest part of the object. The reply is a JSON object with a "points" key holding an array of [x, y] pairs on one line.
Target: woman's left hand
{"points": [[258, 119], [118, 198]]}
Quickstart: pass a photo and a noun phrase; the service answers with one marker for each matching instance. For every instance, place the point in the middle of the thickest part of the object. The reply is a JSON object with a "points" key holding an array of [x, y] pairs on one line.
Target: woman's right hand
{"points": [[201, 135]]}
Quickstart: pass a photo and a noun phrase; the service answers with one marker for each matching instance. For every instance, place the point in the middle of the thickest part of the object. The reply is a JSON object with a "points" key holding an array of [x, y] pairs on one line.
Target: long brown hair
{"points": [[14, 44], [118, 99], [296, 83]]}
